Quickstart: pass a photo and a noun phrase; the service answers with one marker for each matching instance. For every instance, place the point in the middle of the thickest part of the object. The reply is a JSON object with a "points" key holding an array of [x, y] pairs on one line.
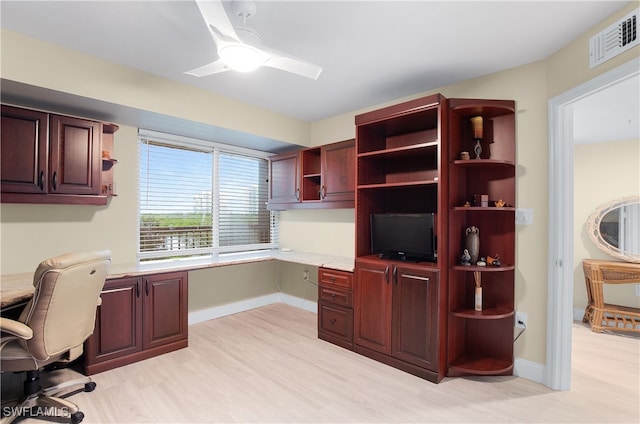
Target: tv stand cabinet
{"points": [[400, 306], [420, 317]]}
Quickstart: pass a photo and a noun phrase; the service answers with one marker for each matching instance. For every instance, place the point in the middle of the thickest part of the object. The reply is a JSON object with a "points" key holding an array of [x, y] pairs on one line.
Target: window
{"points": [[199, 198]]}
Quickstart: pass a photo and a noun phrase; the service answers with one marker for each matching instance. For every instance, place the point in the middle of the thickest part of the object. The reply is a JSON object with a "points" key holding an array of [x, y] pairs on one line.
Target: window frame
{"points": [[215, 149]]}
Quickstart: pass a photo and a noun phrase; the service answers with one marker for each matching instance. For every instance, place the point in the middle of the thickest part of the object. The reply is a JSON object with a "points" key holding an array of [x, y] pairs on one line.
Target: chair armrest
{"points": [[15, 328]]}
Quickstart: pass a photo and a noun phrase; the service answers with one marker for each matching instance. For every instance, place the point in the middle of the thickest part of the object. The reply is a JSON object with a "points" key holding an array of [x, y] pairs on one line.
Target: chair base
{"points": [[48, 403]]}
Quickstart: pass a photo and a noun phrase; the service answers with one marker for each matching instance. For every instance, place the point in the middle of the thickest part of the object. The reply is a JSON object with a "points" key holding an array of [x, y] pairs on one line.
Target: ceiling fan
{"points": [[241, 48]]}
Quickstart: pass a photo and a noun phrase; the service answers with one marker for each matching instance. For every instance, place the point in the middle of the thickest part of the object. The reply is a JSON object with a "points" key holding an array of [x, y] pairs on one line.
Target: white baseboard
{"points": [[244, 305], [578, 314], [528, 369], [298, 302]]}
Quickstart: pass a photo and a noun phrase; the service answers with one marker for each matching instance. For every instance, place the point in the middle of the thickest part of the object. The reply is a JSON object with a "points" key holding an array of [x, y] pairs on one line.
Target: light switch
{"points": [[524, 216]]}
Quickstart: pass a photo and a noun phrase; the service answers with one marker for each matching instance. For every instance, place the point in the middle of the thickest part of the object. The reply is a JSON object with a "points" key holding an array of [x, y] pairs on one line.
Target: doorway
{"points": [[557, 374]]}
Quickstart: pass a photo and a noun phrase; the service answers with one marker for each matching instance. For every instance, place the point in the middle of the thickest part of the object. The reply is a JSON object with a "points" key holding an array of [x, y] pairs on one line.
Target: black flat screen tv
{"points": [[404, 236]]}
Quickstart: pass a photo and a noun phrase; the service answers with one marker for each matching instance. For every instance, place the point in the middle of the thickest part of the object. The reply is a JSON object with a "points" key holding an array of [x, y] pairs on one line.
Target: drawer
{"points": [[335, 295], [332, 277], [336, 321]]}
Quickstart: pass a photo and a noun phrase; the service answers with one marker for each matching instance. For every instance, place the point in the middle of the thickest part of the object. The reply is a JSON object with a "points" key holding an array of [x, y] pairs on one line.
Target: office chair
{"points": [[52, 329]]}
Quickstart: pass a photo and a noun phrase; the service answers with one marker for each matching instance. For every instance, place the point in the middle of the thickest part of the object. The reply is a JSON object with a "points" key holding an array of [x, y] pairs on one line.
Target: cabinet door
{"points": [[118, 330], [284, 179], [24, 150], [415, 316], [372, 310], [165, 309], [75, 157], [338, 171]]}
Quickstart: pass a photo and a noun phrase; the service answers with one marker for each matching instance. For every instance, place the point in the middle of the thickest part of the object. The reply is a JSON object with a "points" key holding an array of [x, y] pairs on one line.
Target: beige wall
{"points": [[229, 284], [30, 233], [602, 172]]}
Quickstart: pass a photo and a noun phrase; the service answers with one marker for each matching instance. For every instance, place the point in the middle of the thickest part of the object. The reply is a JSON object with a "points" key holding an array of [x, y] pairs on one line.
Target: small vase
{"points": [[472, 243], [478, 299]]}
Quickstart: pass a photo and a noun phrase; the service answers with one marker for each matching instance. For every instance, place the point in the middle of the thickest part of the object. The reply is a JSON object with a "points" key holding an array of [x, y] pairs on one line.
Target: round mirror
{"points": [[615, 228]]}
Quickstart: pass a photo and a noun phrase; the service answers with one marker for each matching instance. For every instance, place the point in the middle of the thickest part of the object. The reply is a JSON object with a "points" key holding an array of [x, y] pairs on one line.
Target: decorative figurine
{"points": [[494, 260], [500, 203], [481, 262], [466, 258], [464, 155], [467, 205]]}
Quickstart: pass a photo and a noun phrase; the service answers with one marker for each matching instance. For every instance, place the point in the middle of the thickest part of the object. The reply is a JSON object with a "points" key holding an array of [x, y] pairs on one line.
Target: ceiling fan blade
{"points": [[291, 64], [217, 20], [209, 69]]}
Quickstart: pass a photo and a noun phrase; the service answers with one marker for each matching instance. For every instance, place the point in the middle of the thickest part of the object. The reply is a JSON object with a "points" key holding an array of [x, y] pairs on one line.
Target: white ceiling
{"points": [[371, 51]]}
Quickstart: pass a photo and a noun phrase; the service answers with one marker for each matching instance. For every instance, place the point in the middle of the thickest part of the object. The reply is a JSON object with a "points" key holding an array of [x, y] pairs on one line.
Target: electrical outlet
{"points": [[305, 275], [521, 320]]}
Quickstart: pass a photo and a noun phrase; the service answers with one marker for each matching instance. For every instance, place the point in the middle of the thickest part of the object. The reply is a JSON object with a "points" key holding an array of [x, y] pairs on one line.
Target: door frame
{"points": [[557, 373]]}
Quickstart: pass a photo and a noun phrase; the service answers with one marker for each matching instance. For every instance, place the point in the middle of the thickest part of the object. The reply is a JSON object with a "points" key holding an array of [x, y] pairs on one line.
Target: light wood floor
{"points": [[266, 365]]}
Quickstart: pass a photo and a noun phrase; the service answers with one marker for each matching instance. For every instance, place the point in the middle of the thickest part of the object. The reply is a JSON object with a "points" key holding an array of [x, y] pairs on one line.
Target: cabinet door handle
{"points": [[323, 192], [138, 288], [297, 194], [386, 274], [416, 277], [54, 180], [146, 289], [394, 276], [41, 181]]}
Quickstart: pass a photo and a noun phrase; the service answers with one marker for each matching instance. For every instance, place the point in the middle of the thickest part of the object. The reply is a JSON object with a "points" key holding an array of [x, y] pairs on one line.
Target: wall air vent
{"points": [[614, 40]]}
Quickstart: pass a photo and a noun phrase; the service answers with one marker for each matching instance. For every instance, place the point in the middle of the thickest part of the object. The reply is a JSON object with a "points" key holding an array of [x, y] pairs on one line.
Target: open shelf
{"points": [[481, 365], [481, 342], [485, 313]]}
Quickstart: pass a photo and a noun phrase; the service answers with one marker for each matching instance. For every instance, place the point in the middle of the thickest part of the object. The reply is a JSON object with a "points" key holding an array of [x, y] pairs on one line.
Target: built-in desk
{"points": [[599, 314], [18, 288], [144, 306]]}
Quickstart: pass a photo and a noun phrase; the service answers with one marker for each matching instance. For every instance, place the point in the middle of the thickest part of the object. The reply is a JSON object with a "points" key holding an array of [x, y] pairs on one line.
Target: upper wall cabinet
{"points": [[284, 180], [318, 177], [50, 158]]}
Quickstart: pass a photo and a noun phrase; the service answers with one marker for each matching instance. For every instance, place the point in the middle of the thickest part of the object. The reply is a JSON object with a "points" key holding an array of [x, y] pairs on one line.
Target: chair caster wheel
{"points": [[89, 387], [77, 417]]}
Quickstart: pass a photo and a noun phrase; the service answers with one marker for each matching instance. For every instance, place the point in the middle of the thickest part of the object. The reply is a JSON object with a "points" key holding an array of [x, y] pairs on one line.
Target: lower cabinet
{"points": [[397, 316], [139, 318], [335, 307]]}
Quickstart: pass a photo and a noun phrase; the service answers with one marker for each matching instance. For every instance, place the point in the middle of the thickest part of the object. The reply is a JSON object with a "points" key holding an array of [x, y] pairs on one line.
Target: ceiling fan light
{"points": [[242, 57]]}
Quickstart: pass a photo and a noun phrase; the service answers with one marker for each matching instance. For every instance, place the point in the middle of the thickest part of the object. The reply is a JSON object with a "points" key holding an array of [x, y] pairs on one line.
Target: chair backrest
{"points": [[62, 312]]}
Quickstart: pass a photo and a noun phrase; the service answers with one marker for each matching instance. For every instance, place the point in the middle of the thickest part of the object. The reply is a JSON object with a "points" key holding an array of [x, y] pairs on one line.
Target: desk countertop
{"points": [[15, 288]]}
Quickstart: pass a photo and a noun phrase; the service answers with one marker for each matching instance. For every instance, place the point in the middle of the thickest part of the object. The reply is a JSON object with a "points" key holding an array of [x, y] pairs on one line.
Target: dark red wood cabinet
{"points": [[421, 317], [317, 177], [284, 180], [140, 317], [335, 307], [25, 146], [397, 319], [49, 158], [400, 309]]}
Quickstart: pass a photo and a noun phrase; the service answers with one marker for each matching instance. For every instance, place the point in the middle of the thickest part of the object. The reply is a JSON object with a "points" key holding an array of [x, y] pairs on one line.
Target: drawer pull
{"points": [[416, 277], [333, 295], [333, 321]]}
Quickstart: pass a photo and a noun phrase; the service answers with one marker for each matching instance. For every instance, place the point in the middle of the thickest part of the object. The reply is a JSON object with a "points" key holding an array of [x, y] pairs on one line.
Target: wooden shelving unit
{"points": [[481, 342], [400, 307]]}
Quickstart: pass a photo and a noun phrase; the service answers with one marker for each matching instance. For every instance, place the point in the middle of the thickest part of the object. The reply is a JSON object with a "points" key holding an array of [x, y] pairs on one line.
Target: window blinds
{"points": [[199, 198]]}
